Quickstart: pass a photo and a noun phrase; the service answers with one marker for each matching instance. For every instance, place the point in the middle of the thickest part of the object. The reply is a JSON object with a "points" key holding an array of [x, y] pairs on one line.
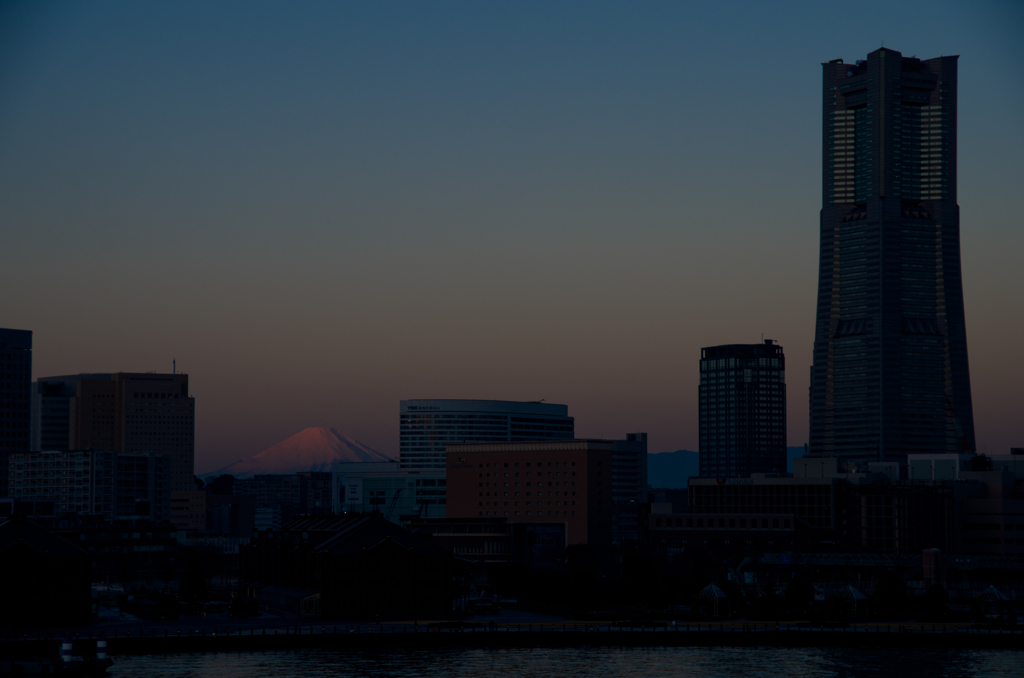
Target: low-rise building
{"points": [[188, 510], [233, 514], [495, 540], [990, 513], [315, 492], [385, 487], [351, 566], [566, 481], [849, 510]]}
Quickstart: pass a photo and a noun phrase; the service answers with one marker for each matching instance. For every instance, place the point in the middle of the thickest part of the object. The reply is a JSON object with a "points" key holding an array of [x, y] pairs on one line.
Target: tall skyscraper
{"points": [[890, 372], [427, 426], [15, 407], [742, 410], [123, 412]]}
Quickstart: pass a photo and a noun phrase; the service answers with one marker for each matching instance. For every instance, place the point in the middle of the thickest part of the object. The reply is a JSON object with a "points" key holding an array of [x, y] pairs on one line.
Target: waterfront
{"points": [[753, 662]]}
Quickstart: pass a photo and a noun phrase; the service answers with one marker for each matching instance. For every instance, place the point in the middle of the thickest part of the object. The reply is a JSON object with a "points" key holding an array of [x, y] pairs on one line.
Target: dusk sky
{"points": [[320, 209]]}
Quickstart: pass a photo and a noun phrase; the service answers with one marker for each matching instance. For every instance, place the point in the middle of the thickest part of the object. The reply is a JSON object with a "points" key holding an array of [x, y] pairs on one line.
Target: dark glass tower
{"points": [[890, 370], [742, 410], [15, 405]]}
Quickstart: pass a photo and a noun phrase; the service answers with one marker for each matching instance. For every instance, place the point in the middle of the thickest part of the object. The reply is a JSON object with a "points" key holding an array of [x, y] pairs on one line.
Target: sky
{"points": [[321, 209]]}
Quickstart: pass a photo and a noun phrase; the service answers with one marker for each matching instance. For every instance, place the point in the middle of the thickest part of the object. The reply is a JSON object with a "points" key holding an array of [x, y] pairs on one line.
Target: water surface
{"points": [[570, 662]]}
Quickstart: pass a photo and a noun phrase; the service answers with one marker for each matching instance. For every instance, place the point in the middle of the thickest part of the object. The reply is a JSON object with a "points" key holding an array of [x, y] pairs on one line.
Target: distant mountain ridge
{"points": [[673, 469], [313, 449]]}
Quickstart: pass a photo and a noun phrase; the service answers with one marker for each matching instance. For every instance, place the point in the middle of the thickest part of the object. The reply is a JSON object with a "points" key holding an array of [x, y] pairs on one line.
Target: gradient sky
{"points": [[322, 209]]}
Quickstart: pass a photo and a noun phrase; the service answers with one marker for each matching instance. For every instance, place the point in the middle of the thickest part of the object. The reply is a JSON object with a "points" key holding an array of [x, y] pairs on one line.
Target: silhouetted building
{"points": [[989, 510], [426, 426], [93, 482], [349, 566], [495, 540], [562, 481], [838, 509], [315, 493], [629, 486], [890, 374], [15, 404], [385, 487], [44, 579], [231, 514], [742, 410], [124, 412], [130, 552], [188, 510], [276, 498]]}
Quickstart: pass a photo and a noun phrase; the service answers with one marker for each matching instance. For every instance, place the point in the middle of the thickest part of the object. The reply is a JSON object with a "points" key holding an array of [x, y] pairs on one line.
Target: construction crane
{"points": [[394, 502]]}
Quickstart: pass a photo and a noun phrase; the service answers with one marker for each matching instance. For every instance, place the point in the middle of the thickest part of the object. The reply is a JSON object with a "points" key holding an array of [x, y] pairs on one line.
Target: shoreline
{"points": [[382, 637]]}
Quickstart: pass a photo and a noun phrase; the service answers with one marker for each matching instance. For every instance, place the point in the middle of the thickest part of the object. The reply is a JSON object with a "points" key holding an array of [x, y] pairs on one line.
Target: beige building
{"points": [[558, 481], [124, 412]]}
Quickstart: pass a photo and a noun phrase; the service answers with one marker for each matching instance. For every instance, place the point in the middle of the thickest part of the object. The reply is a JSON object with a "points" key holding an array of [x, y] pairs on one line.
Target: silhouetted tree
{"points": [[193, 582], [934, 603], [800, 592], [889, 600]]}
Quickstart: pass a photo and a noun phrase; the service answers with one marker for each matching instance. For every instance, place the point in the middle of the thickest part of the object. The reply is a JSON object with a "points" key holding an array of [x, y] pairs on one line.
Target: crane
{"points": [[391, 506]]}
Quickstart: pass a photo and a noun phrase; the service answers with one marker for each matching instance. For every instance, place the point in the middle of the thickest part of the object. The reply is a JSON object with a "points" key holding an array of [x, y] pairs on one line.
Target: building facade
{"points": [[93, 482], [890, 374], [427, 426], [838, 508], [124, 412], [188, 510], [384, 487], [629, 486], [15, 404], [567, 481], [742, 396]]}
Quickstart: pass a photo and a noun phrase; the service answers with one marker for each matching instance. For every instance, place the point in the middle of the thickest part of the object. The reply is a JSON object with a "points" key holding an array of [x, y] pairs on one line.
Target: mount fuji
{"points": [[312, 449]]}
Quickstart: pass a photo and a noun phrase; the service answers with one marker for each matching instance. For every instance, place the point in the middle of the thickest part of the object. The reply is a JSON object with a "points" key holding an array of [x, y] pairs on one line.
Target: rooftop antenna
{"points": [[174, 366]]}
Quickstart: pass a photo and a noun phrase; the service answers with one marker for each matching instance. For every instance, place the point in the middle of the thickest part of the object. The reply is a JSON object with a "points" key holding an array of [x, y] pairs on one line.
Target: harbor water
{"points": [[689, 662]]}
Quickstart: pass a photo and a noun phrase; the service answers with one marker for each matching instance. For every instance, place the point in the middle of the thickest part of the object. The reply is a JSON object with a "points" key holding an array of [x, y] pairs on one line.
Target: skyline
{"points": [[321, 211]]}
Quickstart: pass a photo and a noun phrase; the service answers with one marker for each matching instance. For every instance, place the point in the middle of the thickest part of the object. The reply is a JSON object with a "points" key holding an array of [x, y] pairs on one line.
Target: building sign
{"points": [[352, 489]]}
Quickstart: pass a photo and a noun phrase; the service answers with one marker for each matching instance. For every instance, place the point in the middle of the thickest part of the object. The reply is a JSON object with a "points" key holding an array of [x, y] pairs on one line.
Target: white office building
{"points": [[384, 487], [427, 426]]}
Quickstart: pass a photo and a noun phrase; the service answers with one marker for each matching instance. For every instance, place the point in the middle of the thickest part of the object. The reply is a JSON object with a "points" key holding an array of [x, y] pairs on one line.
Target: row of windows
{"points": [[725, 523], [537, 513], [539, 503]]}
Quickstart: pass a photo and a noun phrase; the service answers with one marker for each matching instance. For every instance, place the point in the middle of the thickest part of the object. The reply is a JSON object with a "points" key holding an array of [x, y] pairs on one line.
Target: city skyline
{"points": [[320, 212]]}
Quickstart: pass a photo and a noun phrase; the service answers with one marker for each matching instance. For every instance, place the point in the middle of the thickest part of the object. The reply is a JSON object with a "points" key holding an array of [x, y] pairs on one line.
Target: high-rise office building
{"points": [[427, 426], [123, 412], [742, 410], [15, 405], [629, 486], [890, 372]]}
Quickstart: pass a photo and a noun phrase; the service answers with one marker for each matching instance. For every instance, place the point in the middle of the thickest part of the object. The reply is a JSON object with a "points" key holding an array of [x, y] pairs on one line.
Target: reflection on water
{"points": [[571, 662]]}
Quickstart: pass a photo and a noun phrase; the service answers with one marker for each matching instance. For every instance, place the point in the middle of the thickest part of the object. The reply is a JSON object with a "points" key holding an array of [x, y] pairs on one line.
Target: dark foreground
{"points": [[568, 634]]}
